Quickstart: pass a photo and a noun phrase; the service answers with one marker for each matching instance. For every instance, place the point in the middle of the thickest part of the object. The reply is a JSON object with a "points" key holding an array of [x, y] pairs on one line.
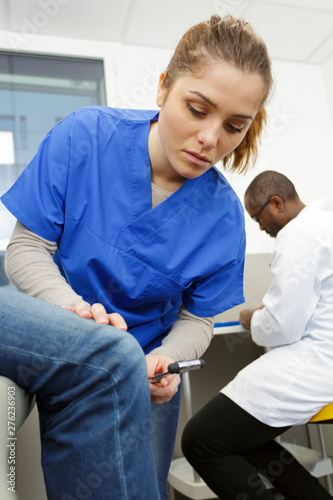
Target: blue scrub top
{"points": [[89, 189]]}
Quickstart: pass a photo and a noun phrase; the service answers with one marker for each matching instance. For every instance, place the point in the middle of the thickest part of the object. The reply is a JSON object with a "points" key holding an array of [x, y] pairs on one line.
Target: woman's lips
{"points": [[196, 158]]}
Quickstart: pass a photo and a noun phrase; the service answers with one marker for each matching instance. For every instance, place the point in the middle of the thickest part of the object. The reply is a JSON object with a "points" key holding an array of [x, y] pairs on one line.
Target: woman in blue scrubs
{"points": [[124, 217]]}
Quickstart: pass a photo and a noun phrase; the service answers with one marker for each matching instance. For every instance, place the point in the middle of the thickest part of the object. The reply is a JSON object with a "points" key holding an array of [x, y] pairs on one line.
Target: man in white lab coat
{"points": [[293, 380]]}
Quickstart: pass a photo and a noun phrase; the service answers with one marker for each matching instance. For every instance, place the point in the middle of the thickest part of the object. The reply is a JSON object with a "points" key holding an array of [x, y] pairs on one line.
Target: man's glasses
{"points": [[256, 217]]}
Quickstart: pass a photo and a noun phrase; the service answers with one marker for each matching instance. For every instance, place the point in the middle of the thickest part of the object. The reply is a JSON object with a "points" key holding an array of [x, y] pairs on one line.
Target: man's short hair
{"points": [[270, 183]]}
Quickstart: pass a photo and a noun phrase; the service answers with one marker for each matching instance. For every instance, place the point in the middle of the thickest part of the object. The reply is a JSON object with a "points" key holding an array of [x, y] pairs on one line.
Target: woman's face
{"points": [[205, 116]]}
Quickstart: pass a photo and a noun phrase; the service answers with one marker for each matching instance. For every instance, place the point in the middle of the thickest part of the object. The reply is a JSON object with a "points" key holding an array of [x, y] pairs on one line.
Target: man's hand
{"points": [[162, 391], [245, 317], [98, 313]]}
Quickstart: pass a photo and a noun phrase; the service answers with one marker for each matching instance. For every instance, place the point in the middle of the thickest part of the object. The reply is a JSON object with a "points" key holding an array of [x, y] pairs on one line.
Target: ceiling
{"points": [[294, 30]]}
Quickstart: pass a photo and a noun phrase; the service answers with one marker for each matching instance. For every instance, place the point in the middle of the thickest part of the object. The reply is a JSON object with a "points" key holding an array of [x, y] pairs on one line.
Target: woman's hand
{"points": [[162, 391], [98, 313]]}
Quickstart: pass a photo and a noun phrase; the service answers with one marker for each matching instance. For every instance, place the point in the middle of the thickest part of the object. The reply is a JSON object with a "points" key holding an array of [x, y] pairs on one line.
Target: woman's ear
{"points": [[161, 91]]}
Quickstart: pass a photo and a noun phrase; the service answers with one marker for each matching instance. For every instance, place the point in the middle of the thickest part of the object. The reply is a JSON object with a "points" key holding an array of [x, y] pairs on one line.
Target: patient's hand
{"points": [[98, 313]]}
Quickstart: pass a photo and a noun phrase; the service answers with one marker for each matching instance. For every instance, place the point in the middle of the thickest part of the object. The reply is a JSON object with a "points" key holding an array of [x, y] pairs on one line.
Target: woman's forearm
{"points": [[30, 267], [189, 337]]}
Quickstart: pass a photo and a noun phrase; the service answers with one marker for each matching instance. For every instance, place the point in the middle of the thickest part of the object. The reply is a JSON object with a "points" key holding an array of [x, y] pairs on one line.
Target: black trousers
{"points": [[228, 447]]}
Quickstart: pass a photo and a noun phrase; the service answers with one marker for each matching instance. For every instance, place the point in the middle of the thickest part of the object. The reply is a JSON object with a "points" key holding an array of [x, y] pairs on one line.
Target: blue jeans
{"points": [[92, 395]]}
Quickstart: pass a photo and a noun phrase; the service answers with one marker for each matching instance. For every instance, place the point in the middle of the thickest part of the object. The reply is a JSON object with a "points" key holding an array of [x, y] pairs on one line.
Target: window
{"points": [[36, 92]]}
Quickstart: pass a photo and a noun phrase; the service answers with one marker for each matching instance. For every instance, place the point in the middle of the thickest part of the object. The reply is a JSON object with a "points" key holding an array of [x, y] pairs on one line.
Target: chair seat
{"points": [[324, 415]]}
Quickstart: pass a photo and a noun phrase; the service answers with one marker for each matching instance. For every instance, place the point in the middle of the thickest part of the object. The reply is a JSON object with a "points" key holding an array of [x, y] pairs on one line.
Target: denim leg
{"points": [[164, 429], [92, 395]]}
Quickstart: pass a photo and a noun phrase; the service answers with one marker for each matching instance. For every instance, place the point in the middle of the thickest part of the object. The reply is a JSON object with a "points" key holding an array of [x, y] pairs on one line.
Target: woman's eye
{"points": [[234, 129], [195, 111]]}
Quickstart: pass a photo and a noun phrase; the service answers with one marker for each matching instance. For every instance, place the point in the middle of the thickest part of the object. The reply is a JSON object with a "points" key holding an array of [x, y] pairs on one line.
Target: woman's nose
{"points": [[208, 137]]}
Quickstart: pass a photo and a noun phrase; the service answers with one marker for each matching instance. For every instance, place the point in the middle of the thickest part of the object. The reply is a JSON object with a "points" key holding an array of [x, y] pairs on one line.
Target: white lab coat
{"points": [[294, 379]]}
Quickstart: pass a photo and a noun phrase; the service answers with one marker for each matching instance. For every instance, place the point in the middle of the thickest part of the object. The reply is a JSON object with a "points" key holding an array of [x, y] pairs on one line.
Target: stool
{"points": [[10, 391], [325, 415]]}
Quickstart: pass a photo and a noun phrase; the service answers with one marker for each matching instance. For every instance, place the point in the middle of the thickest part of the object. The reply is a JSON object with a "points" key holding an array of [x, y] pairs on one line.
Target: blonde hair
{"points": [[235, 42]]}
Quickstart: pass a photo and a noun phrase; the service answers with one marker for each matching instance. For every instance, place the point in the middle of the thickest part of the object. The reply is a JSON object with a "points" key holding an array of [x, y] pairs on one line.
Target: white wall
{"points": [[138, 72], [328, 79]]}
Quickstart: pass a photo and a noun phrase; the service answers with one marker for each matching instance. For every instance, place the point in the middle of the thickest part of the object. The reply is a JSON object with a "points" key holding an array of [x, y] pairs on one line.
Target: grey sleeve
{"points": [[30, 267], [188, 338]]}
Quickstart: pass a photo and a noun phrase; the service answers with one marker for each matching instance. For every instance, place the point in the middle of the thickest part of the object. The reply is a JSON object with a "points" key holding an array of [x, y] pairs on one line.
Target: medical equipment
{"points": [[180, 367]]}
